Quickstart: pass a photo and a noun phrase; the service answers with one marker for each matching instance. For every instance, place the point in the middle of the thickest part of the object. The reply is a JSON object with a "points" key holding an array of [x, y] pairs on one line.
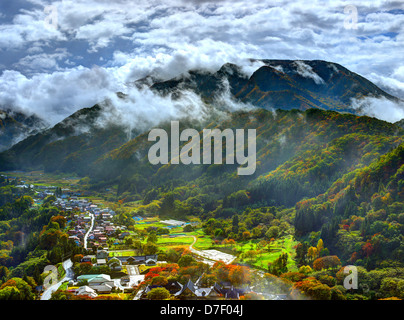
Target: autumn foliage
{"points": [[327, 262]]}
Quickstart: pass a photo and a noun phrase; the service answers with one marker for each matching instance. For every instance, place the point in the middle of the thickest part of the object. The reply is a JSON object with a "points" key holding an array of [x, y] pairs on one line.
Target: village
{"points": [[112, 260], [91, 227]]}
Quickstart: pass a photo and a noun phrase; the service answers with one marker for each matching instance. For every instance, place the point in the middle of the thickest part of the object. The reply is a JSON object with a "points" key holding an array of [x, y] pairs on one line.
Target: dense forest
{"points": [[321, 176], [30, 239]]}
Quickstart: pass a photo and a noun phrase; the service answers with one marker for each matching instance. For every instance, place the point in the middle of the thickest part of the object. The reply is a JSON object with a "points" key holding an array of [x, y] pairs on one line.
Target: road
{"points": [[134, 278], [67, 265], [88, 231]]}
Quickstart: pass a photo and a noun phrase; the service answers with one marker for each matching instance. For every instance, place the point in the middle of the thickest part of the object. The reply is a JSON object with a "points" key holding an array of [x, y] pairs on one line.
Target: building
{"points": [[86, 259], [192, 291], [102, 283], [86, 291]]}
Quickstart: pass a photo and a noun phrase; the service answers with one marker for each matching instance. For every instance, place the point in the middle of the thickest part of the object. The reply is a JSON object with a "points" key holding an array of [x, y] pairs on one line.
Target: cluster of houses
{"points": [[115, 263], [96, 232], [81, 213], [41, 192], [192, 291], [74, 203], [102, 283]]}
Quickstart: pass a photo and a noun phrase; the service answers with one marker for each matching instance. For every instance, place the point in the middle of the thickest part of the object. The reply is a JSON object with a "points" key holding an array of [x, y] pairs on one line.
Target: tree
{"points": [[320, 292], [320, 246], [301, 254], [159, 281], [77, 257], [10, 293], [150, 248], [23, 290], [235, 223], [186, 260], [305, 269], [61, 220], [158, 294], [63, 295], [337, 293], [188, 228], [152, 237], [327, 262], [392, 287], [272, 232], [279, 266], [239, 275], [311, 288], [312, 253]]}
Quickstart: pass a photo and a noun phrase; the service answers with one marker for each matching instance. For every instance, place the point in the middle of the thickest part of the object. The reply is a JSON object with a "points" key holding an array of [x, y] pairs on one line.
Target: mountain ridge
{"points": [[287, 84], [15, 126]]}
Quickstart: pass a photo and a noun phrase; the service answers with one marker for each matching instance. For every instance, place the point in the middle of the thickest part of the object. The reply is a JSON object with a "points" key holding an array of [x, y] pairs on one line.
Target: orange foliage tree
{"points": [[326, 262]]}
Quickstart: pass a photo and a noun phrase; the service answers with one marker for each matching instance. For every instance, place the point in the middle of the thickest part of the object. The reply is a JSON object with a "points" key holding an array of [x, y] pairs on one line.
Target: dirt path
{"points": [[211, 256]]}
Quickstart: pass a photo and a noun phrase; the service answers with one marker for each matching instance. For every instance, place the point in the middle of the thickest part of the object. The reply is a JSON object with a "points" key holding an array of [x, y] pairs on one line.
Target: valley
{"points": [[326, 192]]}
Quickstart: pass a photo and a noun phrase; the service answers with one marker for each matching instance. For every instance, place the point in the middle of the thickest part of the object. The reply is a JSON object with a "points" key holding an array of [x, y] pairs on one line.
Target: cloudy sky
{"points": [[59, 56]]}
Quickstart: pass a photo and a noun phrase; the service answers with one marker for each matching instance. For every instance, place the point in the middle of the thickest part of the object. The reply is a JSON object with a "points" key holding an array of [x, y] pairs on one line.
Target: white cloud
{"points": [[393, 83], [27, 27], [42, 62], [166, 39], [57, 95], [307, 72], [380, 108]]}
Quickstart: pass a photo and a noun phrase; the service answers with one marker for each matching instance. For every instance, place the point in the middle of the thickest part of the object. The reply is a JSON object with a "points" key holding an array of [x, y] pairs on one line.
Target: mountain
{"points": [[319, 173], [340, 176], [83, 139], [15, 126], [280, 84], [69, 146], [299, 154]]}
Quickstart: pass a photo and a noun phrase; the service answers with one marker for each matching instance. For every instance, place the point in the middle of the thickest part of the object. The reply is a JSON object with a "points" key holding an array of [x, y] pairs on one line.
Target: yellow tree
{"points": [[320, 246], [312, 253]]}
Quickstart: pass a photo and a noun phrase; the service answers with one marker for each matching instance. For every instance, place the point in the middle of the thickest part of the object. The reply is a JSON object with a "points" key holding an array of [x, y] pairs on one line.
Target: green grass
{"points": [[122, 253], [149, 223], [279, 246], [177, 241], [203, 243], [45, 179], [64, 286], [61, 271]]}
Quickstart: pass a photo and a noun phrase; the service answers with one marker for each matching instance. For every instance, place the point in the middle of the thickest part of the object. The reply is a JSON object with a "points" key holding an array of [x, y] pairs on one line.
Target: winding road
{"points": [[67, 265], [88, 231]]}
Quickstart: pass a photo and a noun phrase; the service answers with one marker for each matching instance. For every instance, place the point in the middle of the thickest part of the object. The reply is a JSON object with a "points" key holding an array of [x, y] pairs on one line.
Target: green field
{"points": [[260, 260], [265, 256], [41, 179], [165, 241], [149, 222], [122, 253], [203, 242]]}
